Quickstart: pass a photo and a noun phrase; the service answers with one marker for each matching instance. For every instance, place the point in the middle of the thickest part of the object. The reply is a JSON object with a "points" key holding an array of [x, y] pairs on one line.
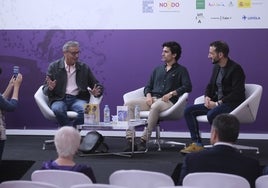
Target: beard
{"points": [[215, 62]]}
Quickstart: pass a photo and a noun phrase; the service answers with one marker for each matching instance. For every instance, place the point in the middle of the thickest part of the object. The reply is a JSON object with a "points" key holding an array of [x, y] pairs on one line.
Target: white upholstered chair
{"points": [[61, 178], [140, 179], [179, 186], [96, 185], [173, 113], [26, 184], [42, 102], [261, 182], [246, 112], [215, 179]]}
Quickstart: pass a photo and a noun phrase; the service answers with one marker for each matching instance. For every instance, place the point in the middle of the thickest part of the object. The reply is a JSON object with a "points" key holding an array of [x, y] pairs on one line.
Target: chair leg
{"points": [[47, 142], [160, 141], [157, 134]]}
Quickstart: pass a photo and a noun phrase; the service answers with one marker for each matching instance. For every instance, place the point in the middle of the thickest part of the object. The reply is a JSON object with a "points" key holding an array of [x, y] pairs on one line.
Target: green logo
{"points": [[200, 4]]}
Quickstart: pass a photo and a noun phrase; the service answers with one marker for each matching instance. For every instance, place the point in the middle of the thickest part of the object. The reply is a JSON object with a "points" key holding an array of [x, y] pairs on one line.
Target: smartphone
{"points": [[16, 70]]}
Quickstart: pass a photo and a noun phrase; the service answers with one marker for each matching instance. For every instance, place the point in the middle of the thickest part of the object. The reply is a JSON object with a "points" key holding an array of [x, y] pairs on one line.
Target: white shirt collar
{"points": [[223, 143]]}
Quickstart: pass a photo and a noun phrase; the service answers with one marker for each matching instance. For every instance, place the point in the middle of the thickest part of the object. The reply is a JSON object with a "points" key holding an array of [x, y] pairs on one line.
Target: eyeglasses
{"points": [[74, 53]]}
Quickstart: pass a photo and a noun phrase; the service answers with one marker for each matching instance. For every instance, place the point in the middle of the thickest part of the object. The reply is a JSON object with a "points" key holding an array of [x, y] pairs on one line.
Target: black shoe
{"points": [[128, 147], [142, 146]]}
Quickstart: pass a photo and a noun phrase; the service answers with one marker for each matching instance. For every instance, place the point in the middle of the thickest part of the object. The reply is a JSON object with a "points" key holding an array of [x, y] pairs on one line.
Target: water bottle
{"points": [[137, 112], [106, 113]]}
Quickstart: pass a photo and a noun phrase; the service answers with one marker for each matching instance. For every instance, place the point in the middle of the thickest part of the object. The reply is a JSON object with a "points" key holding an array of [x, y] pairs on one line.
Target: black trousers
{"points": [[2, 145]]}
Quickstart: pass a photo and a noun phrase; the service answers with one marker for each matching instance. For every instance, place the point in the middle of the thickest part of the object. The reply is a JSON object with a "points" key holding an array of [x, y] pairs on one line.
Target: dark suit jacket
{"points": [[233, 84], [223, 159]]}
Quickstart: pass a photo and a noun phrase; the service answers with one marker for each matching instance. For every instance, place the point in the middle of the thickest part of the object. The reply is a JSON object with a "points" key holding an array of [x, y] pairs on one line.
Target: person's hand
{"points": [[207, 101], [166, 97], [96, 91], [51, 84], [16, 81], [149, 100]]}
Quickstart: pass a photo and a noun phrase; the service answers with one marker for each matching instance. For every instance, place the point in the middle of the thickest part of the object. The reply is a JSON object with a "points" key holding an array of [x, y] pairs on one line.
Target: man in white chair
{"points": [[67, 83], [166, 84], [222, 157], [224, 92]]}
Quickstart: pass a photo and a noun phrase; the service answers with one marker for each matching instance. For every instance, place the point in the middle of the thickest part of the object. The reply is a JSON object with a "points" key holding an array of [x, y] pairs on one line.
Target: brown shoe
{"points": [[192, 148]]}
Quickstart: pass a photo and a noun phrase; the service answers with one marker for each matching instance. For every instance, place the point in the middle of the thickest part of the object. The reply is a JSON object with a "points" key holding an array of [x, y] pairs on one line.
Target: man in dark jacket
{"points": [[224, 92], [69, 84], [222, 157]]}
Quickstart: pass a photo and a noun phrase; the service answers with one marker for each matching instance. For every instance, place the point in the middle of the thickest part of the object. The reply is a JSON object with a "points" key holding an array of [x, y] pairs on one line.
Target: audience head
{"points": [[174, 47], [220, 47], [67, 141], [225, 128]]}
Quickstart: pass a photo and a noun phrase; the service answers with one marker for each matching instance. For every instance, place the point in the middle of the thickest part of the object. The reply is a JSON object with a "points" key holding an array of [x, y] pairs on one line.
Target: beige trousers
{"points": [[155, 109]]}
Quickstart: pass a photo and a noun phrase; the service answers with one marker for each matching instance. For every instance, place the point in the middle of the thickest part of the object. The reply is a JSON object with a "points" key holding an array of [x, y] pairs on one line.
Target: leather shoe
{"points": [[128, 147], [142, 146]]}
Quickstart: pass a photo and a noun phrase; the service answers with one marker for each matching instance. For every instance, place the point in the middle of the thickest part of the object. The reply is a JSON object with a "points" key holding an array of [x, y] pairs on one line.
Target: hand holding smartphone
{"points": [[16, 70]]}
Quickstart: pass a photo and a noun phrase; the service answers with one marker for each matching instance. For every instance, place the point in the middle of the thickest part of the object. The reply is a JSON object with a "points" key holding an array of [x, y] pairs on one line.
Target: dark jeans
{"points": [[191, 112], [70, 102], [2, 145]]}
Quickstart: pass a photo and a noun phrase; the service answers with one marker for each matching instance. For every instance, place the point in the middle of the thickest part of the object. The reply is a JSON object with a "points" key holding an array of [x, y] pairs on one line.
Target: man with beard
{"points": [[224, 92]]}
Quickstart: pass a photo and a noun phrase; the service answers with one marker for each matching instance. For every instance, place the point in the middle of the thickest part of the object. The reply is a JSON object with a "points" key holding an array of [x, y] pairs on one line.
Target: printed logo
{"points": [[169, 6], [244, 17], [200, 4], [199, 17], [244, 3], [148, 6]]}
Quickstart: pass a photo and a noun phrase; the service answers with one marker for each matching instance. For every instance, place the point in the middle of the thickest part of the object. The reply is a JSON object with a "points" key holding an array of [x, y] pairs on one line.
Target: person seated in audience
{"points": [[223, 157], [8, 102], [265, 170], [67, 141]]}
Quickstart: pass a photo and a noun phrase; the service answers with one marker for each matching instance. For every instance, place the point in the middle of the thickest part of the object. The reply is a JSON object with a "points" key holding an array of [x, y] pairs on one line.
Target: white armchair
{"points": [[174, 113], [246, 112], [42, 102], [140, 178], [60, 178], [215, 179], [26, 184], [262, 181]]}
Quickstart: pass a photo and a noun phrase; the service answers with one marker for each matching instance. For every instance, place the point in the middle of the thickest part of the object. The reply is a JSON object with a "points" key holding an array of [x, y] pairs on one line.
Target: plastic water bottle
{"points": [[137, 112], [106, 113]]}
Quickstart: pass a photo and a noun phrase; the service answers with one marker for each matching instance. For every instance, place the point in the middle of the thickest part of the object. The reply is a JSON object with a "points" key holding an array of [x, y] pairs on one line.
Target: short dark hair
{"points": [[227, 127], [221, 46], [174, 47]]}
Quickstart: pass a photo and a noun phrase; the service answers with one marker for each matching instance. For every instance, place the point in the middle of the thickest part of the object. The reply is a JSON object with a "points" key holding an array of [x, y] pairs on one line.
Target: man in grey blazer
{"points": [[222, 157]]}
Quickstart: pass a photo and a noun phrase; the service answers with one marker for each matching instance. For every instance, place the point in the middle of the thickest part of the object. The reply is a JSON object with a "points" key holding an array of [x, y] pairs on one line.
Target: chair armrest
{"points": [[199, 100], [133, 94]]}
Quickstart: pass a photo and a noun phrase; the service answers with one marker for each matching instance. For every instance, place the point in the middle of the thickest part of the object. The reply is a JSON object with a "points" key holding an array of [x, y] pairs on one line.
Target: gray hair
{"points": [[67, 141], [69, 44]]}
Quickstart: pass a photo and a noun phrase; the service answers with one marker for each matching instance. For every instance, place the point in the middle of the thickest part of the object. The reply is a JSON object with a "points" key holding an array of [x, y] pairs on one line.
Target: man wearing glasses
{"points": [[67, 83]]}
